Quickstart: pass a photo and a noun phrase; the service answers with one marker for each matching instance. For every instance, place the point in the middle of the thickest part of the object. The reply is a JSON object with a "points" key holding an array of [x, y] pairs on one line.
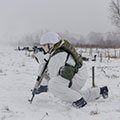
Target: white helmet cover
{"points": [[49, 37]]}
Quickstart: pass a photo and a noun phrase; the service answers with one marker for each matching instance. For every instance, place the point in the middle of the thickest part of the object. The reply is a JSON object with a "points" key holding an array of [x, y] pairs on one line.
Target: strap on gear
{"points": [[67, 71], [64, 45]]}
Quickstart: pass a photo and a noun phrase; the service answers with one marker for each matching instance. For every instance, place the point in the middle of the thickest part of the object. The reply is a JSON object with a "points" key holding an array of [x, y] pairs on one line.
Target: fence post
{"points": [[100, 57], [93, 76]]}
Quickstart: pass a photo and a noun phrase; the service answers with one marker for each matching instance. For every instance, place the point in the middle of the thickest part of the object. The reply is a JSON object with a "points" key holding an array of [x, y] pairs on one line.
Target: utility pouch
{"points": [[67, 72]]}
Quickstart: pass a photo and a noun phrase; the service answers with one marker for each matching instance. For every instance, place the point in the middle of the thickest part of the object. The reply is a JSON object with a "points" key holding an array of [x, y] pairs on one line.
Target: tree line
{"points": [[93, 39]]}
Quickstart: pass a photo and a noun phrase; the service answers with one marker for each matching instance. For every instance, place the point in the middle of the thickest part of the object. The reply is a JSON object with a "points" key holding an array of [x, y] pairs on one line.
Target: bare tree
{"points": [[95, 38], [115, 12]]}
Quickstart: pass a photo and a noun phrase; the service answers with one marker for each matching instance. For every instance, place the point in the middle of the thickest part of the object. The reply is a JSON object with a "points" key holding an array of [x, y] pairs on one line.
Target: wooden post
{"points": [[119, 53], [93, 76], [100, 57], [115, 53], [108, 55]]}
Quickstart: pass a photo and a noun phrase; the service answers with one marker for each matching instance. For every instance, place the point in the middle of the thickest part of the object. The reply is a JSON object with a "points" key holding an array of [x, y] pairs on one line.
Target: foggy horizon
{"points": [[31, 16]]}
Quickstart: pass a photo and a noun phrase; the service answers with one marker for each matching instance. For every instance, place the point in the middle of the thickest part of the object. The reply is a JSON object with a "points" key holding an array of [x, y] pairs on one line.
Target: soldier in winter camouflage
{"points": [[66, 73]]}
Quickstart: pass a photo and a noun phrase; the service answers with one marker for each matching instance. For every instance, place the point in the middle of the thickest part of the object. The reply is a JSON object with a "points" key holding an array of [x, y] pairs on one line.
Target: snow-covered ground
{"points": [[18, 75]]}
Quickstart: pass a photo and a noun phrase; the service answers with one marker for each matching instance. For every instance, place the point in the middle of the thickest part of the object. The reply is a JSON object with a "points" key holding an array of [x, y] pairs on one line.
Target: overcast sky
{"points": [[77, 16]]}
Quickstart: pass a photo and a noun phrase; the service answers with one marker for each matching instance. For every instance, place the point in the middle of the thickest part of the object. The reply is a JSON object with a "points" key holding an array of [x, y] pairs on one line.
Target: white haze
{"points": [[18, 17]]}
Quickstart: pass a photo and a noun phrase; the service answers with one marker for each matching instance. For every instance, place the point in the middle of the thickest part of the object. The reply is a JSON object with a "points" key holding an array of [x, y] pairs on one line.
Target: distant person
{"points": [[94, 59]]}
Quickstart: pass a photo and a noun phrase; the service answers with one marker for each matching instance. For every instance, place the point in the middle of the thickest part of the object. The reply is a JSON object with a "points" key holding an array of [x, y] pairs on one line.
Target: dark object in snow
{"points": [[41, 89], [104, 92], [93, 76], [34, 49], [85, 59], [24, 48], [94, 59], [44, 116], [79, 103]]}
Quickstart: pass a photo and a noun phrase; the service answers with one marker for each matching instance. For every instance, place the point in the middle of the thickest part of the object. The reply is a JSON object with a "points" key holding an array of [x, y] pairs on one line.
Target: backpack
{"points": [[67, 71]]}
